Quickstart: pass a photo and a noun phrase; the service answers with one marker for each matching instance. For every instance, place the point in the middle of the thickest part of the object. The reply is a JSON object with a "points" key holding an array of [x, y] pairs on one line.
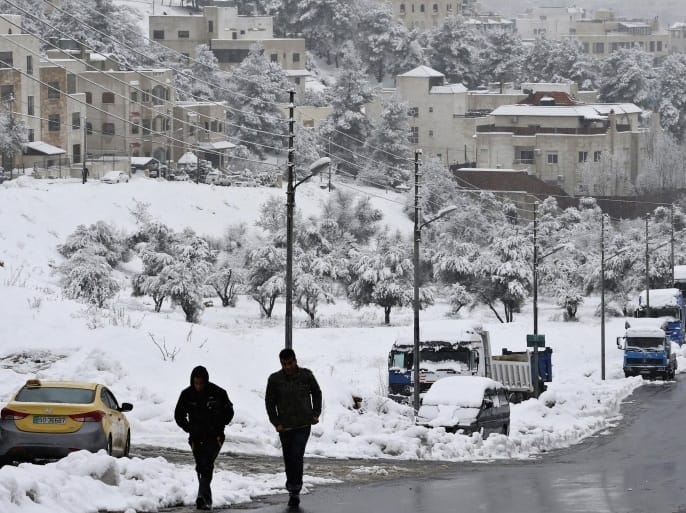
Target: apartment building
{"points": [[200, 127], [582, 148], [549, 22], [230, 36], [19, 79], [604, 34], [677, 37], [63, 113], [130, 112]]}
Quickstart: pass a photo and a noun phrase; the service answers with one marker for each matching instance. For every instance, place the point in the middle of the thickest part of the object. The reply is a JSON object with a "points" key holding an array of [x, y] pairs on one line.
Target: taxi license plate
{"points": [[40, 419]]}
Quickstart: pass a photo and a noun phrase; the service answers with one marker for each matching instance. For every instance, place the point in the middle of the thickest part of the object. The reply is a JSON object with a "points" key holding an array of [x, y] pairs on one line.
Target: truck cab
{"points": [[647, 352], [667, 305]]}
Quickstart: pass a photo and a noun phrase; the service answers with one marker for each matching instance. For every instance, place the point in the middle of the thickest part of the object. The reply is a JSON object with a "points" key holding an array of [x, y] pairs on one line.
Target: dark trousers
{"points": [[293, 443], [205, 453]]}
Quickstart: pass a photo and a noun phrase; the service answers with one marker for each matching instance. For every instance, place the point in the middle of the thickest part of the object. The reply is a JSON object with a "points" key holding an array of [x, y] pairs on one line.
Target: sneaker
{"points": [[294, 501]]}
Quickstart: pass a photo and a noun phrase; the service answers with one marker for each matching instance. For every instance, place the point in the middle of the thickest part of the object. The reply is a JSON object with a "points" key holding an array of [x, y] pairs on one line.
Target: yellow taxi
{"points": [[50, 419]]}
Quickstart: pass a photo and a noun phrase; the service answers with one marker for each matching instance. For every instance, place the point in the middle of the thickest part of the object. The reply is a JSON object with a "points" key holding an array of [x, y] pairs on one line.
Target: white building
{"points": [[549, 22]]}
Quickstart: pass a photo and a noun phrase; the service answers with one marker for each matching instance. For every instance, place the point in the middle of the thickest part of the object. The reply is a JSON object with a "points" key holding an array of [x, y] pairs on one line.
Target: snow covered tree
{"points": [[226, 283], [456, 51], [149, 282], [267, 293], [356, 216], [503, 56], [672, 102], [13, 134], [100, 239], [628, 75], [348, 127], [308, 292], [266, 267], [459, 297], [438, 189], [559, 61], [327, 25], [663, 165], [88, 276], [206, 75], [388, 146], [254, 117]]}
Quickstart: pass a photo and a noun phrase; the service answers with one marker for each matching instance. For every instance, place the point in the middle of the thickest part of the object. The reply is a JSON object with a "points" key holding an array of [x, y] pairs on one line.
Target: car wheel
{"points": [[109, 445], [127, 446]]}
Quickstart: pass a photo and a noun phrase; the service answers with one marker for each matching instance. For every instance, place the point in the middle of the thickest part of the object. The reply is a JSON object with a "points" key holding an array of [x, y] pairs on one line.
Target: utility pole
{"points": [[84, 168], [290, 205], [417, 238], [602, 296], [647, 271], [671, 223], [536, 387]]}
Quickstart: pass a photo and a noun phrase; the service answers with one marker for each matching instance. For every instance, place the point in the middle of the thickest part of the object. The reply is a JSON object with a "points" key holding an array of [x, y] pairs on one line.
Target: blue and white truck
{"points": [[647, 350], [667, 307], [460, 348]]}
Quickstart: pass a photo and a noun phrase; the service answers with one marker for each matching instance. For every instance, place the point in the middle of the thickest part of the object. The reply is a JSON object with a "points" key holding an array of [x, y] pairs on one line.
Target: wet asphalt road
{"points": [[640, 467]]}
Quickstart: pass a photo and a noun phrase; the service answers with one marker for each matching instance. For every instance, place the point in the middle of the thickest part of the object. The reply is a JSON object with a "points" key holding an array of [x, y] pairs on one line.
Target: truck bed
{"points": [[513, 371]]}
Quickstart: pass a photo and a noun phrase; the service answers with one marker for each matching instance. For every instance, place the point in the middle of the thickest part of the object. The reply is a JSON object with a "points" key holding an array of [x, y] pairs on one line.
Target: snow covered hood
{"points": [[462, 391], [444, 415], [645, 333], [453, 332], [660, 298]]}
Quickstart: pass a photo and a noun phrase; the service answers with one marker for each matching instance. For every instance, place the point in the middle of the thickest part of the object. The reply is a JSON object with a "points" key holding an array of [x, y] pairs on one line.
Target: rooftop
{"points": [[423, 72]]}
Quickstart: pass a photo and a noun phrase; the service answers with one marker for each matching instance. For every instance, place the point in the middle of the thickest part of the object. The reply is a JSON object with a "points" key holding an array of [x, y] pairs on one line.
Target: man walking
{"points": [[202, 411], [294, 404]]}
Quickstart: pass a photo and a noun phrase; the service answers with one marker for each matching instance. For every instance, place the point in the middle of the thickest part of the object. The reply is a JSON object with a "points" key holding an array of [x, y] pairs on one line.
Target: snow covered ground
{"points": [[46, 336]]}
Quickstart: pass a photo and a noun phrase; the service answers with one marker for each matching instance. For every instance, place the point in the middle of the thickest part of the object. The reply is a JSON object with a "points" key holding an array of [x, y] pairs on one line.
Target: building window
{"points": [[108, 97], [76, 154], [75, 120], [431, 133], [213, 126], [421, 8], [145, 96], [108, 129], [232, 56], [414, 135], [402, 8], [183, 34], [134, 96], [29, 64], [89, 128], [159, 94], [431, 109], [597, 156], [652, 46], [158, 34], [583, 157], [598, 47], [234, 35], [296, 57], [435, 9], [659, 46], [7, 92], [552, 158], [32, 135], [449, 7], [274, 57], [89, 98], [526, 156], [54, 123], [71, 83], [210, 26], [413, 112], [53, 90], [146, 126], [30, 109], [6, 60], [134, 128]]}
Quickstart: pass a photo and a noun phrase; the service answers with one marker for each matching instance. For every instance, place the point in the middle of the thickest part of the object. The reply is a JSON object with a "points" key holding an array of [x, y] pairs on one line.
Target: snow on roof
{"points": [[634, 24], [679, 25], [43, 148], [680, 273], [97, 57], [660, 298], [423, 72], [448, 89], [141, 161], [458, 331], [464, 391], [590, 111], [297, 73], [188, 158], [645, 332]]}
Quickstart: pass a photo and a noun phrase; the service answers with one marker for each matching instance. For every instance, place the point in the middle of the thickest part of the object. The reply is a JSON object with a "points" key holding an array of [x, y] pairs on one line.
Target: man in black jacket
{"points": [[202, 411], [294, 404]]}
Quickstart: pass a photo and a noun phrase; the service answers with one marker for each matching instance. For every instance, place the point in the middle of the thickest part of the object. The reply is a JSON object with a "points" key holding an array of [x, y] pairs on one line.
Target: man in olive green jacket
{"points": [[294, 404]]}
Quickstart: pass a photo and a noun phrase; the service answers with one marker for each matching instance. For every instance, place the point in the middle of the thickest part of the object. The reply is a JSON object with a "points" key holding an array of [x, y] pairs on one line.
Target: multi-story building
{"points": [[19, 78], [63, 112], [230, 36], [582, 148], [604, 34], [443, 117], [423, 14], [677, 37], [201, 130], [130, 112], [549, 22]]}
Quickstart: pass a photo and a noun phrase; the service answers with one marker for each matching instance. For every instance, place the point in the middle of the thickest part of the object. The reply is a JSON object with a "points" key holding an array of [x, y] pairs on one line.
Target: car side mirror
{"points": [[619, 342], [125, 407]]}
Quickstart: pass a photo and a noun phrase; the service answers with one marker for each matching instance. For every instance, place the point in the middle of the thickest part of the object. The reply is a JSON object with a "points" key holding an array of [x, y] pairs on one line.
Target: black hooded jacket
{"points": [[203, 415]]}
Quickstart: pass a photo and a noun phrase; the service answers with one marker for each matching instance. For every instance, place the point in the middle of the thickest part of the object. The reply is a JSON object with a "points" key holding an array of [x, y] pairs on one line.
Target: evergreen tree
{"points": [[348, 127], [503, 56], [100, 239], [327, 25], [13, 134], [88, 276], [628, 76], [206, 74], [456, 51], [254, 117], [672, 103]]}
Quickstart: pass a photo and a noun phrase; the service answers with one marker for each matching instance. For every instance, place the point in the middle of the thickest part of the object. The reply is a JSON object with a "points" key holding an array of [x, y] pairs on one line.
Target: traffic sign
{"points": [[535, 340]]}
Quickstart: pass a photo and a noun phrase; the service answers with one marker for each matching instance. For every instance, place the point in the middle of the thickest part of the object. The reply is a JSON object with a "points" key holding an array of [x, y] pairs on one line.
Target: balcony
{"points": [[535, 130]]}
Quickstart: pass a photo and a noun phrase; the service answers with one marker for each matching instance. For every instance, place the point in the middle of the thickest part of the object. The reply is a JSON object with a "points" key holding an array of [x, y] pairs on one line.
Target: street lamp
{"points": [[418, 225], [315, 168]]}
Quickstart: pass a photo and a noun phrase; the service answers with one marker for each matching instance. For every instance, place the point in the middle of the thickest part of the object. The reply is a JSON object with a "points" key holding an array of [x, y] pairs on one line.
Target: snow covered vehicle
{"points": [[647, 350], [667, 305], [460, 349]]}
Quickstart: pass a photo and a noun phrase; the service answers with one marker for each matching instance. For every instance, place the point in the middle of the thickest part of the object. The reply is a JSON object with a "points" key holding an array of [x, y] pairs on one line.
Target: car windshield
{"points": [[644, 343], [55, 395]]}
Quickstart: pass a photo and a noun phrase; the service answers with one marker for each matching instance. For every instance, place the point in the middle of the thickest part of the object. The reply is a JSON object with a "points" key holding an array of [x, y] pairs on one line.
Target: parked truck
{"points": [[647, 350], [666, 305], [461, 349]]}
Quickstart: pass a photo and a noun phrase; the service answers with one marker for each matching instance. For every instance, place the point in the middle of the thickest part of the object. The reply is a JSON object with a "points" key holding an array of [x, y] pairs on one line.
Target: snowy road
{"points": [[638, 467]]}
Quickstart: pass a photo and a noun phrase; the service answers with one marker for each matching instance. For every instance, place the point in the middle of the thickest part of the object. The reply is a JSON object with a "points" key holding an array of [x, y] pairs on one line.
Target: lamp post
{"points": [[314, 169], [418, 225]]}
